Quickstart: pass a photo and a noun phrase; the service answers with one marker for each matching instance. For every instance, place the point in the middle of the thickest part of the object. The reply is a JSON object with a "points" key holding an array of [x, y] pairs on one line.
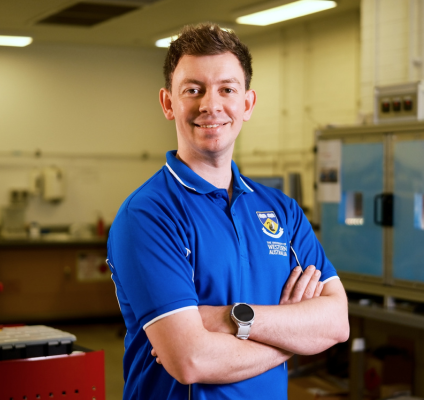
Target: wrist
{"points": [[243, 316]]}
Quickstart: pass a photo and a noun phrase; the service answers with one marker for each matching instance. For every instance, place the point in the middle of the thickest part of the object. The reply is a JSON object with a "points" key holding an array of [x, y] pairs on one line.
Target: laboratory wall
{"points": [[306, 76], [392, 46], [91, 111], [94, 112]]}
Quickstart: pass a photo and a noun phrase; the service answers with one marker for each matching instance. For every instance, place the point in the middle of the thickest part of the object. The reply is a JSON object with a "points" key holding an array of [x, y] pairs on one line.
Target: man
{"points": [[198, 237]]}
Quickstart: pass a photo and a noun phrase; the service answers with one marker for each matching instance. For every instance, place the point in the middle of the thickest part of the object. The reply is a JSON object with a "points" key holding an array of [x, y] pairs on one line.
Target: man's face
{"points": [[209, 104]]}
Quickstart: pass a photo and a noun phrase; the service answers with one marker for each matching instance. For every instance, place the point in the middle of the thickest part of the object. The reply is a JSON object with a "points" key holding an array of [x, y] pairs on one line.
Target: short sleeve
{"points": [[305, 245], [146, 248]]}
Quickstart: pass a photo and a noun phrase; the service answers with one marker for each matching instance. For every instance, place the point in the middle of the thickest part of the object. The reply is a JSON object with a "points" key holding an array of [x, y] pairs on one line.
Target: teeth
{"points": [[210, 126]]}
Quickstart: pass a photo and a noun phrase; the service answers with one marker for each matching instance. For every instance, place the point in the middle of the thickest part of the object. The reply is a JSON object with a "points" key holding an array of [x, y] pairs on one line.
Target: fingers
{"points": [[290, 284], [306, 284], [312, 284], [318, 290], [154, 354]]}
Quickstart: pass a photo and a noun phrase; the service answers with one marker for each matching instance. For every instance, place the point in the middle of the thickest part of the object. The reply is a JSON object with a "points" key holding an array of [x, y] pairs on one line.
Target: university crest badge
{"points": [[270, 224]]}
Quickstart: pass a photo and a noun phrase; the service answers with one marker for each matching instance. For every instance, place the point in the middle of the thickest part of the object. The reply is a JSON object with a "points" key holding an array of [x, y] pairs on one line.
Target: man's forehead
{"points": [[220, 68]]}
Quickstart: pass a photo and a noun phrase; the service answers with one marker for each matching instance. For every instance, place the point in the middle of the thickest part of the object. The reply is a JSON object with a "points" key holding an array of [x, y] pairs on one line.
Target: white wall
{"points": [[392, 45], [104, 100], [306, 76], [81, 101]]}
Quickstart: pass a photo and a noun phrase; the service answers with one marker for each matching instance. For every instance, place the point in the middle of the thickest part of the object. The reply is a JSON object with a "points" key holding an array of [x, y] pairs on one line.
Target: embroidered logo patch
{"points": [[270, 224]]}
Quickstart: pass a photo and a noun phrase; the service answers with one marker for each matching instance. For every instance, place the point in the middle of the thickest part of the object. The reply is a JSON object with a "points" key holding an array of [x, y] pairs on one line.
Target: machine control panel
{"points": [[403, 102]]}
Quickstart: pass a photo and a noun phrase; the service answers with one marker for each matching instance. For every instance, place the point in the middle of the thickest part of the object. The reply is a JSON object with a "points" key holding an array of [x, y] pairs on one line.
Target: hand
{"points": [[154, 354], [301, 287]]}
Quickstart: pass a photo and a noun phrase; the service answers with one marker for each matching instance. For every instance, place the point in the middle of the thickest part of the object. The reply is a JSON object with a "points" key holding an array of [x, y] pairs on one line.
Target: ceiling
{"points": [[152, 20]]}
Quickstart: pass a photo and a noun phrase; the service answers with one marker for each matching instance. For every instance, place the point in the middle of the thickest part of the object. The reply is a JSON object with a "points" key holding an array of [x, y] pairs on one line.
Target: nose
{"points": [[211, 103]]}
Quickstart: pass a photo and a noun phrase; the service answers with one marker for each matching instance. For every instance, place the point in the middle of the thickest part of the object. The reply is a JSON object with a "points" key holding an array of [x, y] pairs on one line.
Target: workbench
{"points": [[44, 280]]}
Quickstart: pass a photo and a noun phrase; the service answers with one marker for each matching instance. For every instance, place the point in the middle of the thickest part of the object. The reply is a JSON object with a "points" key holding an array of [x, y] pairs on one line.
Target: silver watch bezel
{"points": [[240, 323]]}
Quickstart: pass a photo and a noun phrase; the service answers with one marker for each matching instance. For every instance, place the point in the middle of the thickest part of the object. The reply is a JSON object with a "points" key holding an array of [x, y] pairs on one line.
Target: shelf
{"points": [[392, 316]]}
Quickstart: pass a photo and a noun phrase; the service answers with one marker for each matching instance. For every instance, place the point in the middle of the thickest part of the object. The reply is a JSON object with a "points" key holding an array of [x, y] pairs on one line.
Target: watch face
{"points": [[243, 312]]}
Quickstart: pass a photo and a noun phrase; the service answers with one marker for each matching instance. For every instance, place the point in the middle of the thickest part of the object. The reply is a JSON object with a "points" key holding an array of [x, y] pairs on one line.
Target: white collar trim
{"points": [[178, 178], [245, 184]]}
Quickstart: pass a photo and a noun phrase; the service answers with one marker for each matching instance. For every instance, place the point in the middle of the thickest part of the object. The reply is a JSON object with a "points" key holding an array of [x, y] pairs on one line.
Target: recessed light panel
{"points": [[286, 12], [165, 42], [15, 41]]}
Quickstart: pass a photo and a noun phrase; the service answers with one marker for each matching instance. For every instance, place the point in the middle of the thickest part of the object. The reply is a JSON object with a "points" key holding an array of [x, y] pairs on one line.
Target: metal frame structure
{"points": [[387, 134]]}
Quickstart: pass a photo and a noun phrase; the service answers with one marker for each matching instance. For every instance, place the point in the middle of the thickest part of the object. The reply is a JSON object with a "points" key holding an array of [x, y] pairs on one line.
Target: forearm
{"points": [[227, 359], [309, 327], [301, 327], [194, 355]]}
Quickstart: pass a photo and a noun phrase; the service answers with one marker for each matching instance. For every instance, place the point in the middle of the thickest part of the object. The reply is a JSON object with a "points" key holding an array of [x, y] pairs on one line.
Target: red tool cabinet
{"points": [[79, 375]]}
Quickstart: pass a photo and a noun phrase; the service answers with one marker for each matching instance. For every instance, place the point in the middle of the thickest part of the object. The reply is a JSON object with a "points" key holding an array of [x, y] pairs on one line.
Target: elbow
{"points": [[343, 331], [186, 376], [185, 371]]}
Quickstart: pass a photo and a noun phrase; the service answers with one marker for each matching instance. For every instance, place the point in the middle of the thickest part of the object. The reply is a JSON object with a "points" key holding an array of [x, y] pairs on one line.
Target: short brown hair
{"points": [[206, 40]]}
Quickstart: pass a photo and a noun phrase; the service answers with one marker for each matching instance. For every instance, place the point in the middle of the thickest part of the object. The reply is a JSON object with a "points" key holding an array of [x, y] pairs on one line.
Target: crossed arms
{"points": [[199, 346]]}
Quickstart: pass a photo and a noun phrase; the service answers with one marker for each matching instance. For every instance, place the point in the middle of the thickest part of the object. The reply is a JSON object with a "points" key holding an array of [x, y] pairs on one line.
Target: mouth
{"points": [[210, 126]]}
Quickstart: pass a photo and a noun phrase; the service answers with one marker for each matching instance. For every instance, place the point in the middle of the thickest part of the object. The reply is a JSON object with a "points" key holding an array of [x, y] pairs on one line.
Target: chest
{"points": [[239, 254]]}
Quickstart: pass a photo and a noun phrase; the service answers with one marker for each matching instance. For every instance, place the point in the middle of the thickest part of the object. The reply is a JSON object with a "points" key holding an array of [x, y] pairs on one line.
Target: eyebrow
{"points": [[200, 83], [231, 80]]}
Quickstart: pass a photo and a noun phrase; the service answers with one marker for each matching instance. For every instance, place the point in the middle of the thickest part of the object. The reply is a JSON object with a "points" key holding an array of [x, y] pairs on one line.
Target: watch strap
{"points": [[243, 331]]}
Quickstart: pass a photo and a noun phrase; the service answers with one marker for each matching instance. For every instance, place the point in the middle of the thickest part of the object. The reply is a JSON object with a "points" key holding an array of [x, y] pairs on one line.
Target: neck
{"points": [[217, 171]]}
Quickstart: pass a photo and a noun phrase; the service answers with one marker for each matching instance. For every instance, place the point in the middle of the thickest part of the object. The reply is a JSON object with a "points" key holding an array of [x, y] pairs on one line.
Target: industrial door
{"points": [[408, 232], [351, 238]]}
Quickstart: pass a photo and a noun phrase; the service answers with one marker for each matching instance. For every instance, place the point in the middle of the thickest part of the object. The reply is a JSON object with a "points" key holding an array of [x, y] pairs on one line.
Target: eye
{"points": [[193, 91], [228, 90]]}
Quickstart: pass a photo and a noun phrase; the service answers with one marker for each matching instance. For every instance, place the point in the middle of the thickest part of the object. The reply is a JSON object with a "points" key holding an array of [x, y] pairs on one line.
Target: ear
{"points": [[249, 104], [165, 99]]}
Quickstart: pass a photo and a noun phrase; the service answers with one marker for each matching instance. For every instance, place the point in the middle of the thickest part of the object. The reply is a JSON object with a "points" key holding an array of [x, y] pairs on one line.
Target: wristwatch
{"points": [[243, 316]]}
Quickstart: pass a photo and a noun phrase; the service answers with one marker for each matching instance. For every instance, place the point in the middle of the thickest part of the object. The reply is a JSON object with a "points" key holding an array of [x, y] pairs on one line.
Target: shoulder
{"points": [[158, 195], [157, 190], [265, 191]]}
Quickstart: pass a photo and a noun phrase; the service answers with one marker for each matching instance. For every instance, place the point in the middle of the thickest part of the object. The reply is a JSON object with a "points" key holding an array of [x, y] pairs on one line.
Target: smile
{"points": [[210, 126]]}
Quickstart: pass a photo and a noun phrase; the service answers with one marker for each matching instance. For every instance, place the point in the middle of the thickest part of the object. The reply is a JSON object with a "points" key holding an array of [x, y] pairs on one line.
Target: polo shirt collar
{"points": [[188, 178]]}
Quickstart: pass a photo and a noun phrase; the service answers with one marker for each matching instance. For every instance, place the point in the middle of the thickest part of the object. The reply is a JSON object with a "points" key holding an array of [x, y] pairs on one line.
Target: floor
{"points": [[107, 337]]}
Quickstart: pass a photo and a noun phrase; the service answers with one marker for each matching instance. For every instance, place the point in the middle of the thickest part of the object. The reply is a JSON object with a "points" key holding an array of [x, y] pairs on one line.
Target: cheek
{"points": [[236, 110]]}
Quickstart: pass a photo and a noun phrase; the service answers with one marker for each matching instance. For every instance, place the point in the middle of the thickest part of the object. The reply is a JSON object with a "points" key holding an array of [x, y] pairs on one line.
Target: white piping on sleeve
{"points": [[116, 289], [116, 292], [330, 279], [167, 314], [188, 252], [178, 178], [245, 184], [297, 260]]}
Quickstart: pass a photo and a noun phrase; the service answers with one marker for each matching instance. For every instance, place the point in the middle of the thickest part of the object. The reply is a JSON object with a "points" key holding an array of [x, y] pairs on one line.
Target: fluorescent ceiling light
{"points": [[288, 11], [16, 41], [165, 42]]}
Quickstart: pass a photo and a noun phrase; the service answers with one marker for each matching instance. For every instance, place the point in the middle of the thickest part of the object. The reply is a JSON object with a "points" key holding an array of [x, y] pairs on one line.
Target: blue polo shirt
{"points": [[177, 243]]}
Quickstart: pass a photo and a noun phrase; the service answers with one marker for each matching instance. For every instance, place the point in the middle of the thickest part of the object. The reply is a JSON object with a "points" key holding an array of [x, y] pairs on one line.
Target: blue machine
{"points": [[356, 247], [376, 232], [408, 232]]}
